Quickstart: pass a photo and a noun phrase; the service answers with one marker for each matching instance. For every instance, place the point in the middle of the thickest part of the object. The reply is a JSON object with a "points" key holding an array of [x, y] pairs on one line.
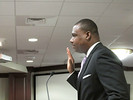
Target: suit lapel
{"points": [[86, 64], [82, 72]]}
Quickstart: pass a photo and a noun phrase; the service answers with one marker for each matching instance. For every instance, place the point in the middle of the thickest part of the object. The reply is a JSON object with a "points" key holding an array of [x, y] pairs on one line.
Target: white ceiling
{"points": [[113, 17]]}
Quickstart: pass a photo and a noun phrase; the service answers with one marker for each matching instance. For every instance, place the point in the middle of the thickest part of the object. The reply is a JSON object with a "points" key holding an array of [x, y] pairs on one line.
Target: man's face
{"points": [[78, 39]]}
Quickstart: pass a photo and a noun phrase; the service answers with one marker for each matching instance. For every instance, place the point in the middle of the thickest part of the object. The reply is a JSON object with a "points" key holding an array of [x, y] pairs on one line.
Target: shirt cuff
{"points": [[70, 74]]}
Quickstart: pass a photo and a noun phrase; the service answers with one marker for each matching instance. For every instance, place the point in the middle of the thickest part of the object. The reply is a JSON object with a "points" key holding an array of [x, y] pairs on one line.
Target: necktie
{"points": [[82, 63]]}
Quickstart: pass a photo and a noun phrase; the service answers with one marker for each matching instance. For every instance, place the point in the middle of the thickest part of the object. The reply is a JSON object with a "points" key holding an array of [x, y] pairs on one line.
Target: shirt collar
{"points": [[91, 48]]}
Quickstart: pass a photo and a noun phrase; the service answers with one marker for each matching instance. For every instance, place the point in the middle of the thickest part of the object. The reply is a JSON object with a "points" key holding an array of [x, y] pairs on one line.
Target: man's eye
{"points": [[73, 35]]}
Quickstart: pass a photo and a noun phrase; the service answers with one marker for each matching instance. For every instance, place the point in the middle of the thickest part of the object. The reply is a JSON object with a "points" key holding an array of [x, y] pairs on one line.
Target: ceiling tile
{"points": [[38, 8], [22, 59], [40, 0], [123, 1], [7, 21], [42, 33], [125, 40], [83, 9], [67, 21], [89, 0], [6, 8], [119, 9], [57, 46], [6, 0]]}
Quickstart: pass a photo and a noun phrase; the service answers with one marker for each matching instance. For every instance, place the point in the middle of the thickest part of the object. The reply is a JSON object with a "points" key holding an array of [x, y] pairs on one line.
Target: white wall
{"points": [[4, 89], [129, 78]]}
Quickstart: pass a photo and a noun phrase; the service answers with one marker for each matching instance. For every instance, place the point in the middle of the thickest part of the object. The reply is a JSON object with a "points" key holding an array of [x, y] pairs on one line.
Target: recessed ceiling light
{"points": [[122, 53], [29, 61], [0, 44], [2, 41], [33, 40]]}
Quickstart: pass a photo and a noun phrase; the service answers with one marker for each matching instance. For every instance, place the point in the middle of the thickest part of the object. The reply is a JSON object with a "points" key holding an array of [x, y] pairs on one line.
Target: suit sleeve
{"points": [[72, 79], [111, 76]]}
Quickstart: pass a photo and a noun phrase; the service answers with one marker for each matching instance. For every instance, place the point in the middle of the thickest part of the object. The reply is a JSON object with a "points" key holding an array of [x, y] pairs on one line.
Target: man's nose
{"points": [[71, 40]]}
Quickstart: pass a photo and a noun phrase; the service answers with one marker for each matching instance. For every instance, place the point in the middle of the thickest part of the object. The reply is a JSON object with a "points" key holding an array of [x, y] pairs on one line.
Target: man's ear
{"points": [[88, 35]]}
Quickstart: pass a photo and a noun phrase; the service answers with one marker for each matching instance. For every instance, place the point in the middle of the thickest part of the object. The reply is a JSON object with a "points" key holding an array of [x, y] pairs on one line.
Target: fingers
{"points": [[68, 51], [70, 66], [69, 55], [70, 62]]}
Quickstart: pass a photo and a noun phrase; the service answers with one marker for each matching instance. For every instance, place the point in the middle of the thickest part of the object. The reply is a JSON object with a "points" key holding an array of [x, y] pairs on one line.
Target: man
{"points": [[102, 76]]}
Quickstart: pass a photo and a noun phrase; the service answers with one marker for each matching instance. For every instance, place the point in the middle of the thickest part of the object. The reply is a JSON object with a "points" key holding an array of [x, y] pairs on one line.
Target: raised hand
{"points": [[70, 61]]}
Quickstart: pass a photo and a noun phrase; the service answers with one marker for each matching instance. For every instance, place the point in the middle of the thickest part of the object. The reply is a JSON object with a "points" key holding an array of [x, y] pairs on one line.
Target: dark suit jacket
{"points": [[102, 77]]}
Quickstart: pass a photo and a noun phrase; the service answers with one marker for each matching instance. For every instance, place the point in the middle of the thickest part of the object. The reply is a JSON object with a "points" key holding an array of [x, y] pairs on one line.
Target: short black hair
{"points": [[88, 25]]}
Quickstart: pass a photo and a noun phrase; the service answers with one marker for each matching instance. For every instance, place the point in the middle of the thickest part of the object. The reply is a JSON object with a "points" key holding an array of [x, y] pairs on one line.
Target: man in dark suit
{"points": [[102, 76]]}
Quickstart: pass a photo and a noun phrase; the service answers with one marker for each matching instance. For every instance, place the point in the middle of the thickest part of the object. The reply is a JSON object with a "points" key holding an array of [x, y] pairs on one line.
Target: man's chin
{"points": [[76, 50]]}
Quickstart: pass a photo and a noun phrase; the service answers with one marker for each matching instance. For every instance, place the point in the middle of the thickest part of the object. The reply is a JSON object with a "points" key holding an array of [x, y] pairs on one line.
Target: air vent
{"points": [[35, 21], [27, 51]]}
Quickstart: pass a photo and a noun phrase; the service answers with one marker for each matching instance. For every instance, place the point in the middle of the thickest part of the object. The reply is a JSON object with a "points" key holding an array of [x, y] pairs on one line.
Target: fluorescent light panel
{"points": [[122, 53]]}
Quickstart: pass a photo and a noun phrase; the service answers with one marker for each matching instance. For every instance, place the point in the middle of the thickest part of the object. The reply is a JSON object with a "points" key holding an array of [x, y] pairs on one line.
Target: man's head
{"points": [[84, 34]]}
